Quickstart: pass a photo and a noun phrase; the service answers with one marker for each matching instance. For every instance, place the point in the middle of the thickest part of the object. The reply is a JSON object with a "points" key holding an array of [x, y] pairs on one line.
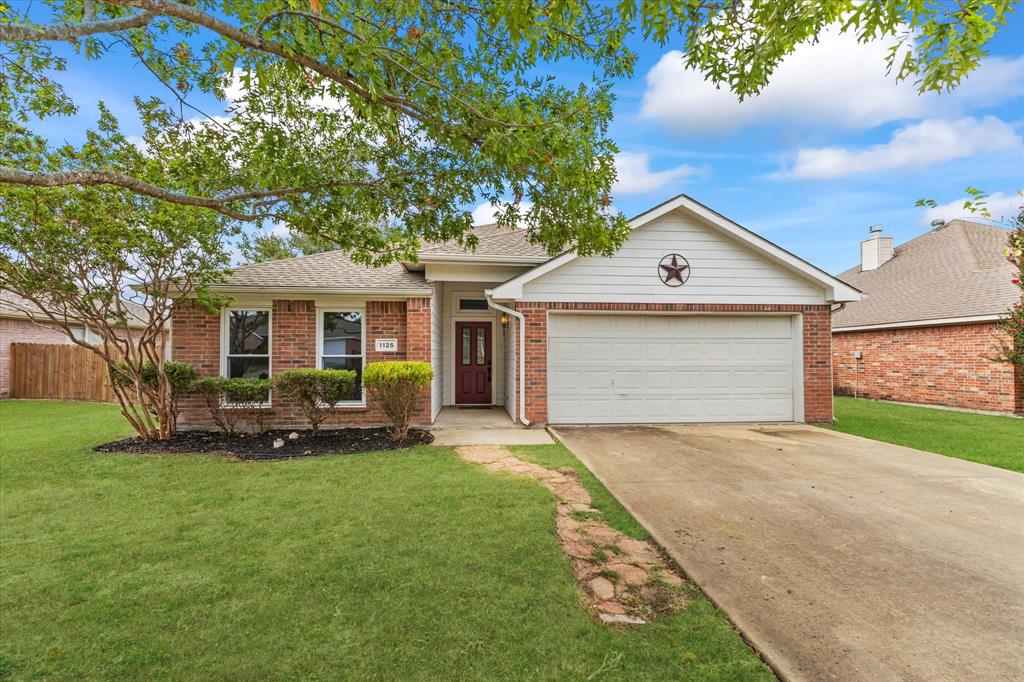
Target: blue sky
{"points": [[832, 146]]}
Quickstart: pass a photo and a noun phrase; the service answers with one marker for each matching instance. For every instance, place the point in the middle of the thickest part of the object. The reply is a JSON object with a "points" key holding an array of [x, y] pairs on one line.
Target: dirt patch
{"points": [[624, 581], [261, 446]]}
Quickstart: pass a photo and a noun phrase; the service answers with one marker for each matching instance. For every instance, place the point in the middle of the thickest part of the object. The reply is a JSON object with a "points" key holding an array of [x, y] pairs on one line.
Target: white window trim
{"points": [[320, 346], [225, 333]]}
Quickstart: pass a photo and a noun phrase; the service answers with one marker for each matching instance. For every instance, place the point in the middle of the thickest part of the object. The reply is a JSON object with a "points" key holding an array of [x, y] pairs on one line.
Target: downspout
{"points": [[521, 382]]}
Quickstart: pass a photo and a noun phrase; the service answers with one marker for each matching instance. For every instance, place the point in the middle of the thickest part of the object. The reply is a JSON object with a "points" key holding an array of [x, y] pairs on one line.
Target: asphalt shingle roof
{"points": [[13, 305], [958, 270], [493, 241], [335, 270], [329, 270]]}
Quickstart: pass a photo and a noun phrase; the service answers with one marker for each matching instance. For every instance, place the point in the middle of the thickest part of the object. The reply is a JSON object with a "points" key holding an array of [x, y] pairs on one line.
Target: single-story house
{"points": [[694, 319], [925, 331]]}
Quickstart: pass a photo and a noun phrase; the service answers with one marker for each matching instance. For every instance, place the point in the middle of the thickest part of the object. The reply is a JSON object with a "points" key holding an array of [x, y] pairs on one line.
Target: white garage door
{"points": [[607, 369]]}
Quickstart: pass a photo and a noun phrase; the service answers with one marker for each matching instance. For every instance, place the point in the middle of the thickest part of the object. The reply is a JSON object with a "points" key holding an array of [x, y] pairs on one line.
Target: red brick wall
{"points": [[816, 332], [196, 339], [946, 365], [17, 330]]}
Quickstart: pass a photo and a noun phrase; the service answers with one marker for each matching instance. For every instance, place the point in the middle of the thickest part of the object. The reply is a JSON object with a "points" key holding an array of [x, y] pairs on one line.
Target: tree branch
{"points": [[17, 176], [68, 32]]}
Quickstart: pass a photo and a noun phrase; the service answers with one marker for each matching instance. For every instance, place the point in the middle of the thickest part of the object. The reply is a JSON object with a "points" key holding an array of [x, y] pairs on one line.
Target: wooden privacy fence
{"points": [[58, 372]]}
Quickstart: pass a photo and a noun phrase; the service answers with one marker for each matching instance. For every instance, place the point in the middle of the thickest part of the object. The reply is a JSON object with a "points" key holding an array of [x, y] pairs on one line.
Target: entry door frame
{"points": [[487, 324]]}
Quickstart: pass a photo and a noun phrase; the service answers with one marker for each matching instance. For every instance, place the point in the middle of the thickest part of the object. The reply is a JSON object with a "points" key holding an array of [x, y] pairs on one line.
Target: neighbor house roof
{"points": [[493, 241], [13, 305], [956, 271], [332, 271]]}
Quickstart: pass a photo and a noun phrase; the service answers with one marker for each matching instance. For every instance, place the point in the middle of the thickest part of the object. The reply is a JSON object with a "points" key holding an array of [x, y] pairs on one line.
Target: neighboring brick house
{"points": [[925, 331], [22, 322], [694, 319]]}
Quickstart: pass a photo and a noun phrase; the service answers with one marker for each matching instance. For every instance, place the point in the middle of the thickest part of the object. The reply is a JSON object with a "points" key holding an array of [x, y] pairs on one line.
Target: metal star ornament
{"points": [[674, 270]]}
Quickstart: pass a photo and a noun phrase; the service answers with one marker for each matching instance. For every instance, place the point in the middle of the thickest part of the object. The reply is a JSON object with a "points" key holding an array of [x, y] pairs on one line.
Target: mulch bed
{"points": [[260, 447]]}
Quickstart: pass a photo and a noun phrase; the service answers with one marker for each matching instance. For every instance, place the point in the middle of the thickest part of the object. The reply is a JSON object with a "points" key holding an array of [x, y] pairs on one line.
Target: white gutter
{"points": [[522, 354], [350, 291], [477, 258], [937, 322]]}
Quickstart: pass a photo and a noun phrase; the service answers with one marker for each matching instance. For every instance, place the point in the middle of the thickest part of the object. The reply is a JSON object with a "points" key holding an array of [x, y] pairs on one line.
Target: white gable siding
{"points": [[722, 271]]}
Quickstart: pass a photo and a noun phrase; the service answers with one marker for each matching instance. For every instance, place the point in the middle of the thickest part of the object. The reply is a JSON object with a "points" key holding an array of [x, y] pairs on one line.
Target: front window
{"points": [[341, 345], [248, 345]]}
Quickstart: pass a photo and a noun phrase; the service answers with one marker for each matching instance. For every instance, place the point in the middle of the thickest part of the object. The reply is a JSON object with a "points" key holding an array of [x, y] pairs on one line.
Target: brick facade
{"points": [[816, 334], [19, 330], [945, 365], [196, 339]]}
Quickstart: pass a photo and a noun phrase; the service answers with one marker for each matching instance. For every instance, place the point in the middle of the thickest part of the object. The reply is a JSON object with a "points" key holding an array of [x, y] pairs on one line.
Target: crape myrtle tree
{"points": [[372, 125], [113, 259]]}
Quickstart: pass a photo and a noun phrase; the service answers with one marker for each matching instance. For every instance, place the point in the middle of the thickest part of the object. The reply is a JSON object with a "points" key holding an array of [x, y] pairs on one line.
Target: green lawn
{"points": [[560, 457], [987, 439], [402, 565]]}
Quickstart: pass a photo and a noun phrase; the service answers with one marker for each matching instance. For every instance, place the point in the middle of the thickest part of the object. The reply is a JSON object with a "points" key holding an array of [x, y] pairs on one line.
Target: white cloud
{"points": [[929, 142], [281, 230], [636, 177], [1000, 206], [484, 214], [837, 83]]}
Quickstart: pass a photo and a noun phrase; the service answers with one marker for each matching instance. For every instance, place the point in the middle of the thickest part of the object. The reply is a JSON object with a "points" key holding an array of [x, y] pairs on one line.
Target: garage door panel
{"points": [[715, 350], [669, 368], [685, 351], [594, 351]]}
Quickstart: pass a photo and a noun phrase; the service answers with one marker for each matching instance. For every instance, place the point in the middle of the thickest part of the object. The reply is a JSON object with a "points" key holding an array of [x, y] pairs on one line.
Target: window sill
{"points": [[236, 406], [351, 407]]}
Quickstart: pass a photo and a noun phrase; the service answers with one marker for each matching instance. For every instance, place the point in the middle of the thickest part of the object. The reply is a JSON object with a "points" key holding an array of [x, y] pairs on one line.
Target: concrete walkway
{"points": [[483, 426], [838, 557]]}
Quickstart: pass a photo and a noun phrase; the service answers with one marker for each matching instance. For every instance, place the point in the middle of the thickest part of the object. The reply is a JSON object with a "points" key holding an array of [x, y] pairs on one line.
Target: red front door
{"points": [[473, 363]]}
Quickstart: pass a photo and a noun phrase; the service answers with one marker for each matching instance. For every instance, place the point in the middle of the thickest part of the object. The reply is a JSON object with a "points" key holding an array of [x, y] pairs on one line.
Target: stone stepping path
{"points": [[624, 581]]}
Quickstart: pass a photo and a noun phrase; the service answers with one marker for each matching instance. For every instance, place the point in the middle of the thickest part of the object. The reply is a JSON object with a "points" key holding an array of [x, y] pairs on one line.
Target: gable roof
{"points": [[329, 272], [493, 242], [956, 271], [837, 289]]}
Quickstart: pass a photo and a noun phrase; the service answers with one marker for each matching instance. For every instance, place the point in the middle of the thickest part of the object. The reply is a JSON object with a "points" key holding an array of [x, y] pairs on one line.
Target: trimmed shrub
{"points": [[318, 391], [232, 401], [397, 387]]}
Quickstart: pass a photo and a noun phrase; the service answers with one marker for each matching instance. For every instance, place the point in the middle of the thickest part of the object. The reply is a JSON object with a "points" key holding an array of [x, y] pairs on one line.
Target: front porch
{"points": [[483, 426]]}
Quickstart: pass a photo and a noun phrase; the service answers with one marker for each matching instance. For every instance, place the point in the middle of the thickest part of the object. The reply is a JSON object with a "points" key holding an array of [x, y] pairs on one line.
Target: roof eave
{"points": [[934, 322], [322, 291], [476, 258]]}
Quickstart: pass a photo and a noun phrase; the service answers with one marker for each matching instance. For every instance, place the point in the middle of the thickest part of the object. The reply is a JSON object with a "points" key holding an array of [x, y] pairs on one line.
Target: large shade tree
{"points": [[373, 125]]}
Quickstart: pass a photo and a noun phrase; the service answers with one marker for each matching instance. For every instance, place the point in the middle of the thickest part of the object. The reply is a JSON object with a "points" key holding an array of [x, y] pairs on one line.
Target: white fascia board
{"points": [[291, 291], [937, 322], [474, 259], [836, 290]]}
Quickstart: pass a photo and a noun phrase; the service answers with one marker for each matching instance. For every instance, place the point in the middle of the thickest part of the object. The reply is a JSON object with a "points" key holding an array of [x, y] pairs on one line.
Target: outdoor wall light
{"points": [[504, 320]]}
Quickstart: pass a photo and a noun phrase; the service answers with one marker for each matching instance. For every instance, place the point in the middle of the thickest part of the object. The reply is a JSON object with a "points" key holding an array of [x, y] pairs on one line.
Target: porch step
{"points": [[451, 436]]}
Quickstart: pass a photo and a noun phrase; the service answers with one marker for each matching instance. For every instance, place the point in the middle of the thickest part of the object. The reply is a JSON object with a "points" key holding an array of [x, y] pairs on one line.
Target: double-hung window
{"points": [[342, 345], [247, 344]]}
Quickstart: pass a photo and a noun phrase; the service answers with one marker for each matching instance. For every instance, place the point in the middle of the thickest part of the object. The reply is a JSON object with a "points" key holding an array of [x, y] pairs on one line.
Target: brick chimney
{"points": [[875, 250]]}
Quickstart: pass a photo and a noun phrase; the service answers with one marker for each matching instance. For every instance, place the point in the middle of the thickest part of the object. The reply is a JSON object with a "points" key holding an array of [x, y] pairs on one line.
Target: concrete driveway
{"points": [[838, 557]]}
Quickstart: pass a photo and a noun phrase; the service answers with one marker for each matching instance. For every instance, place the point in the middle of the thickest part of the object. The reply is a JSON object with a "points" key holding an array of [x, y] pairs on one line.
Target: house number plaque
{"points": [[387, 345]]}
